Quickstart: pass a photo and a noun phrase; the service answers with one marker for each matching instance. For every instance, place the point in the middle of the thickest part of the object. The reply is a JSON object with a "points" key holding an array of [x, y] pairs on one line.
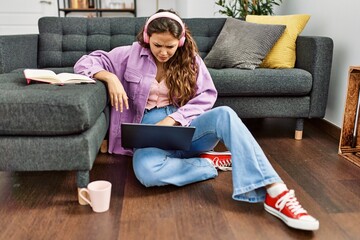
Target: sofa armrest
{"points": [[18, 51], [314, 54]]}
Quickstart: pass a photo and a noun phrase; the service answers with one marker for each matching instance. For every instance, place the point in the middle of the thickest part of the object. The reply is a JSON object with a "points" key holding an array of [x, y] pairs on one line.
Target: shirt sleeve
{"points": [[204, 99], [99, 60]]}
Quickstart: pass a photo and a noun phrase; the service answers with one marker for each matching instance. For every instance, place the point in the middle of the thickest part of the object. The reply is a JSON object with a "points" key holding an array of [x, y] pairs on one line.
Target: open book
{"points": [[48, 76]]}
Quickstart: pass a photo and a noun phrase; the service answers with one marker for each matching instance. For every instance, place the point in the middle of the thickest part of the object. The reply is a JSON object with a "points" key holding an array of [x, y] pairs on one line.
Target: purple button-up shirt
{"points": [[136, 69]]}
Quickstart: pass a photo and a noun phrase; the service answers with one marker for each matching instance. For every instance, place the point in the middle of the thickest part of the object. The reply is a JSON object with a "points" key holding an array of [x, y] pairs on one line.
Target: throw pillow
{"points": [[242, 45], [283, 54]]}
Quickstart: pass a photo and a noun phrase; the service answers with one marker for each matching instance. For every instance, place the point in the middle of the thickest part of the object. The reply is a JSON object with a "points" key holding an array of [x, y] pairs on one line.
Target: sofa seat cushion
{"points": [[45, 109], [261, 82]]}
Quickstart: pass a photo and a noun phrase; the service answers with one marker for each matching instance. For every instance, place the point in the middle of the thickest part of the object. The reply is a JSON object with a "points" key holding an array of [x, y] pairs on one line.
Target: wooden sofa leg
{"points": [[299, 128], [104, 146], [298, 135]]}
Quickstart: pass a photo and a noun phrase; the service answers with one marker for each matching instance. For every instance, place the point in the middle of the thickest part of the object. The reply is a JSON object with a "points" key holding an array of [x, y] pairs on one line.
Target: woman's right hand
{"points": [[117, 94]]}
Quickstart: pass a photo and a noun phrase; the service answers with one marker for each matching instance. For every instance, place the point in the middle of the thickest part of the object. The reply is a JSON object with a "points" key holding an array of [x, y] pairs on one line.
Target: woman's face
{"points": [[163, 46]]}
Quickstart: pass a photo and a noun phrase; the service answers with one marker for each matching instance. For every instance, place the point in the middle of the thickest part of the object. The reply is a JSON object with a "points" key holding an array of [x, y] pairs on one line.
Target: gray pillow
{"points": [[243, 44]]}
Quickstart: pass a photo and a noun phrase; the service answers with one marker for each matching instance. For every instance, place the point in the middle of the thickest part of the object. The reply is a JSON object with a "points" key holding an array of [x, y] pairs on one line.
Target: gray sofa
{"points": [[46, 127]]}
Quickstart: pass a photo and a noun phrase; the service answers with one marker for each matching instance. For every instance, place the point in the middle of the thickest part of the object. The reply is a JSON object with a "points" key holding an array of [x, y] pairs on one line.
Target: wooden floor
{"points": [[43, 205]]}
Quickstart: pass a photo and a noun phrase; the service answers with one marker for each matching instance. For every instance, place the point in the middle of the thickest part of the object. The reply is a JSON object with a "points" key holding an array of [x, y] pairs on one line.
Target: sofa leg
{"points": [[82, 178], [104, 146], [299, 128]]}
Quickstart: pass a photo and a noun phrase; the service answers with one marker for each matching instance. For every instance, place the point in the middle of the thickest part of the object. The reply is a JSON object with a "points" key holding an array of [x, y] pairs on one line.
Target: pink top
{"points": [[158, 96]]}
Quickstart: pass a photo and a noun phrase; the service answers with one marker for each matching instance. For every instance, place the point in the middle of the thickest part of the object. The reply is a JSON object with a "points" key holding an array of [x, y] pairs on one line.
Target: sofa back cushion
{"points": [[62, 41], [205, 32]]}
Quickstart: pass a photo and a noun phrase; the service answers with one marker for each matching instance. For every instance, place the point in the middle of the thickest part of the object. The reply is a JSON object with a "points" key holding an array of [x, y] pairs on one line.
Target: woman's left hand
{"points": [[168, 121]]}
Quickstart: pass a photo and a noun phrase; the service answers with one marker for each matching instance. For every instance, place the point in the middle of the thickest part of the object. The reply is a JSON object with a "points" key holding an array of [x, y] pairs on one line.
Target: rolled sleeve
{"points": [[178, 117], [100, 60]]}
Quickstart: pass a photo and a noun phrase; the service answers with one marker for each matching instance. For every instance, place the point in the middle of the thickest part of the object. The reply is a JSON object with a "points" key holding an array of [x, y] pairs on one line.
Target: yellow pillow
{"points": [[283, 53]]}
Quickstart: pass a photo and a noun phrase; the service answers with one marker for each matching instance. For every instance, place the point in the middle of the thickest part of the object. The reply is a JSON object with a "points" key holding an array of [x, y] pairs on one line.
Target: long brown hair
{"points": [[181, 69]]}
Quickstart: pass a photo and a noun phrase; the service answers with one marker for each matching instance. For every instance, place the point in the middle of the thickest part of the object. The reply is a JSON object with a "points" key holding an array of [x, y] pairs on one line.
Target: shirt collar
{"points": [[145, 52]]}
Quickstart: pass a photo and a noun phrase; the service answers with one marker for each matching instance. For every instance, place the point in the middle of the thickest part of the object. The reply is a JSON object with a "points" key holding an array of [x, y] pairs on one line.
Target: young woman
{"points": [[161, 79]]}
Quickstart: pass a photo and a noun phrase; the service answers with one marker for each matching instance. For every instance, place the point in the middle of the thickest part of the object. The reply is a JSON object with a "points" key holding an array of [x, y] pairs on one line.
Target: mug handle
{"points": [[83, 197]]}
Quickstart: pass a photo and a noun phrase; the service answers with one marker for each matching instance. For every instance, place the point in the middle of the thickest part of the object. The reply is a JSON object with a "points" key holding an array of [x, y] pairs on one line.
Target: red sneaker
{"points": [[286, 207], [221, 160]]}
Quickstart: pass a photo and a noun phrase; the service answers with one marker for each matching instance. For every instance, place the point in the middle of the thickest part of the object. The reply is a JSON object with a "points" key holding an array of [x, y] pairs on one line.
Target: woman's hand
{"points": [[118, 97], [168, 121], [117, 94]]}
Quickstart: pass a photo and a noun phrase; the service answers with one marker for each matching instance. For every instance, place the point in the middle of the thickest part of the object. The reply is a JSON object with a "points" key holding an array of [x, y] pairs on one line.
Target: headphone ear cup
{"points": [[182, 41], [146, 37]]}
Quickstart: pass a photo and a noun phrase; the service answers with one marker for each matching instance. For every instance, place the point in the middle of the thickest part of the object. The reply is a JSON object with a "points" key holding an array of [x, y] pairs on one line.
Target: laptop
{"points": [[137, 135]]}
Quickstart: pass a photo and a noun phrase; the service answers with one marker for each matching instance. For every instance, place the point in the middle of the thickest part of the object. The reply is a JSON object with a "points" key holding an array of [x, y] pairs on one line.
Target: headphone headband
{"points": [[165, 15]]}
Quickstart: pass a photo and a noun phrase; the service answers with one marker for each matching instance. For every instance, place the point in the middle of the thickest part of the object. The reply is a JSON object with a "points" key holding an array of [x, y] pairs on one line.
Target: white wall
{"points": [[197, 8], [185, 8], [19, 16], [147, 7]]}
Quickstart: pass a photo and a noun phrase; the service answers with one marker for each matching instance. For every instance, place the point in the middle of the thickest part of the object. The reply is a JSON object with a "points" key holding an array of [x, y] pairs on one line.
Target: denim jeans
{"points": [[251, 170]]}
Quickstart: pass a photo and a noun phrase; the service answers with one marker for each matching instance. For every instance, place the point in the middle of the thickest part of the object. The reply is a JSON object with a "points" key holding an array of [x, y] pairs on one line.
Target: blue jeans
{"points": [[251, 170]]}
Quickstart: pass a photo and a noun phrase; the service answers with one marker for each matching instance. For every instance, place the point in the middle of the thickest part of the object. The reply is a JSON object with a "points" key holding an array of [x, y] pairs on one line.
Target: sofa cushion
{"points": [[242, 44], [49, 153], [261, 82], [283, 54], [45, 109]]}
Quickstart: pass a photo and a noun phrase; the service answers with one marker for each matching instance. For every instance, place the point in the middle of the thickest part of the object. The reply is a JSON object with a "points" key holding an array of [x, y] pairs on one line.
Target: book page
{"points": [[73, 77], [41, 74]]}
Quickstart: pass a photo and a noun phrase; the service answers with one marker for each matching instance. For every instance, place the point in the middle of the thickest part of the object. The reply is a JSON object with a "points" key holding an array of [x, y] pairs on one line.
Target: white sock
{"points": [[276, 189]]}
